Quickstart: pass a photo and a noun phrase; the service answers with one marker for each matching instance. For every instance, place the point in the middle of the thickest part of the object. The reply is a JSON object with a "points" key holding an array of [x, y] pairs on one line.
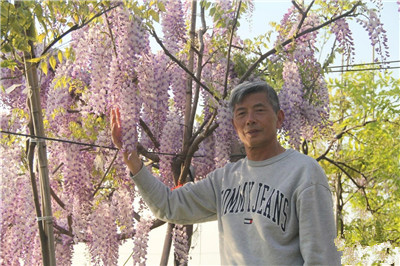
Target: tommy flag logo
{"points": [[248, 221]]}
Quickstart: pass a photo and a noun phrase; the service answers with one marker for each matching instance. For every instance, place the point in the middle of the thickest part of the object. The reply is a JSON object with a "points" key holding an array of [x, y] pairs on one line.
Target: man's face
{"points": [[256, 122]]}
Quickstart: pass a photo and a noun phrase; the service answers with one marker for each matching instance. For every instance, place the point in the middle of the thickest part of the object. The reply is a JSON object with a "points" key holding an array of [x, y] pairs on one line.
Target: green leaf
{"points": [[154, 15], [161, 6], [11, 64], [34, 60], [60, 56], [44, 67], [41, 37], [53, 62]]}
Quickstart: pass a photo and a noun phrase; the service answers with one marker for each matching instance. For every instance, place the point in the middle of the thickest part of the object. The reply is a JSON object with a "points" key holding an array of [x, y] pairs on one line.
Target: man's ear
{"points": [[281, 117]]}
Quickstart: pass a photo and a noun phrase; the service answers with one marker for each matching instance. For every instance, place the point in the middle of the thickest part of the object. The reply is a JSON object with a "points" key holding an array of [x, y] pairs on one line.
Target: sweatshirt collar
{"points": [[270, 160]]}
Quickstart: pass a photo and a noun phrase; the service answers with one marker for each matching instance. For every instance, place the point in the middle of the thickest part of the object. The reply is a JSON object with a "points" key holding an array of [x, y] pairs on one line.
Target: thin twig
{"points": [[149, 133], [105, 174], [199, 68], [181, 65], [340, 135], [229, 50]]}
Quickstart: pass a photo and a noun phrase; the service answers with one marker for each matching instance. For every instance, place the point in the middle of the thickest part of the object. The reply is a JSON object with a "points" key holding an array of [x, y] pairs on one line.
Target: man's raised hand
{"points": [[116, 131], [132, 159]]}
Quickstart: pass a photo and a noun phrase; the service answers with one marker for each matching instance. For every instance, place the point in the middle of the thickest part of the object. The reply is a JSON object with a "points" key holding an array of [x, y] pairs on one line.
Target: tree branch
{"points": [[340, 135], [76, 27], [105, 174], [199, 67], [181, 65], [62, 230], [229, 50], [286, 42], [343, 170], [149, 133], [210, 127], [354, 182], [150, 155]]}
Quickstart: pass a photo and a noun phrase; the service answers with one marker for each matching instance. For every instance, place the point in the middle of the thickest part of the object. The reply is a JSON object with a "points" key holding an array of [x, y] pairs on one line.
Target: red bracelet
{"points": [[178, 186]]}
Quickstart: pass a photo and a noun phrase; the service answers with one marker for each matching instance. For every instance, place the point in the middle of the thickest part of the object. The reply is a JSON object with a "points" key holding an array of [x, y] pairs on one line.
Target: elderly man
{"points": [[273, 207]]}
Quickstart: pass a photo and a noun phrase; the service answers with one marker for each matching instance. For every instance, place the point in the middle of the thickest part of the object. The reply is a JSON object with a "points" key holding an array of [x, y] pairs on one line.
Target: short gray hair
{"points": [[247, 87]]}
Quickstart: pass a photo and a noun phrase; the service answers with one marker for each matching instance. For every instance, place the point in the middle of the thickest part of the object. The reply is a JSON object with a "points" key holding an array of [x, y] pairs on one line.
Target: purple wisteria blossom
{"points": [[103, 244], [344, 37], [173, 25], [223, 135], [140, 241], [170, 144], [181, 245]]}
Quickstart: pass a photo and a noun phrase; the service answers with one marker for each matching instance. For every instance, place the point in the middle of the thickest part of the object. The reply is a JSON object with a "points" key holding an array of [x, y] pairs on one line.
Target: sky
{"points": [[206, 250]]}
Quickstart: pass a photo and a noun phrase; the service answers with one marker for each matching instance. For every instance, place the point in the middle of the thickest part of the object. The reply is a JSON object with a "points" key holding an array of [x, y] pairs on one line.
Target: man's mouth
{"points": [[252, 131]]}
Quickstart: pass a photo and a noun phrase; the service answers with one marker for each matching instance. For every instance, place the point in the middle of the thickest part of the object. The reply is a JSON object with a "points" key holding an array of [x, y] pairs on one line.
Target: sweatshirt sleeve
{"points": [[317, 227], [189, 204]]}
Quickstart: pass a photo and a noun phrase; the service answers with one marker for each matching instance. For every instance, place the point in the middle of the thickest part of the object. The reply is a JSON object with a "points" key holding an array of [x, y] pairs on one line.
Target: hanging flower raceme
{"points": [[376, 32], [140, 241], [97, 46], [178, 87], [170, 145], [60, 99], [344, 37], [130, 42], [291, 99], [123, 209], [17, 210], [173, 25], [203, 161], [303, 113], [103, 245], [223, 135], [76, 172], [154, 88], [181, 244]]}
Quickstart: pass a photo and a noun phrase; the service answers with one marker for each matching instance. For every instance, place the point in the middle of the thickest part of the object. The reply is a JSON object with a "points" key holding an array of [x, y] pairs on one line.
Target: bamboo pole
{"points": [[43, 239], [37, 119], [167, 245]]}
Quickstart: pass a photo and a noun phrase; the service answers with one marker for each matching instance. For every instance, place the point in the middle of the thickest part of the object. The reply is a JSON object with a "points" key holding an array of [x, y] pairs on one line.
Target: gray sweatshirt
{"points": [[272, 212]]}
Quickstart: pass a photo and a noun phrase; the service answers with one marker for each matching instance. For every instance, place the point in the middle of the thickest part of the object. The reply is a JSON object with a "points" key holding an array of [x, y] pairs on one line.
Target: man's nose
{"points": [[250, 118]]}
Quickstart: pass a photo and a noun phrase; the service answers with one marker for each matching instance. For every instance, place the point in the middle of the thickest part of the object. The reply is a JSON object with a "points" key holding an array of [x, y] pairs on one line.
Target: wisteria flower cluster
{"points": [[377, 34], [304, 96], [170, 145], [344, 37], [223, 135], [173, 25], [140, 241], [181, 245], [103, 244], [122, 79]]}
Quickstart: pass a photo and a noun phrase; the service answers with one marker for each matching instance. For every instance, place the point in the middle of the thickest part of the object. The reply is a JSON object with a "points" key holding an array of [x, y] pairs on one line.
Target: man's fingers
{"points": [[115, 118], [118, 116]]}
